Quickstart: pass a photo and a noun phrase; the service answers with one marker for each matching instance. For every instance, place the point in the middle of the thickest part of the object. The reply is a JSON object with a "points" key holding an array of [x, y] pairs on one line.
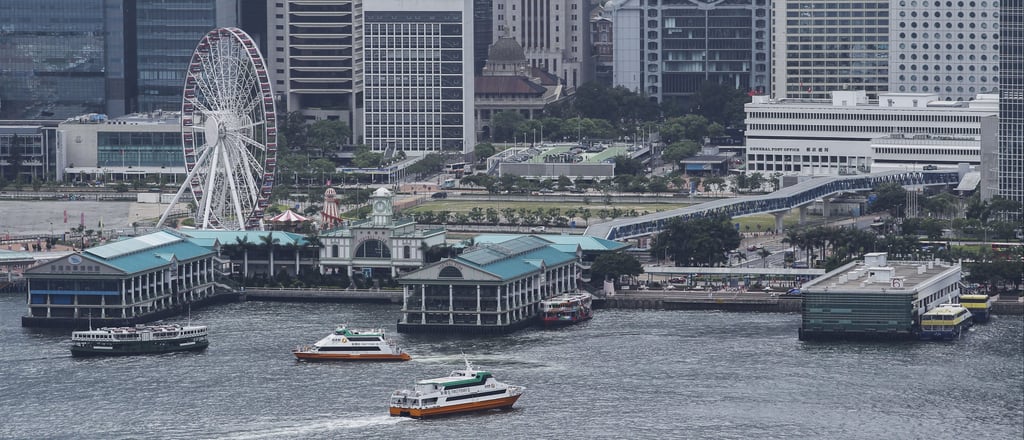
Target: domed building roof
{"points": [[382, 192], [506, 50]]}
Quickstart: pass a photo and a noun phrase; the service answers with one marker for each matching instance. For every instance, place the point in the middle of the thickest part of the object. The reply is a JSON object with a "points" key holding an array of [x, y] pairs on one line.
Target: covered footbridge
{"points": [[778, 202]]}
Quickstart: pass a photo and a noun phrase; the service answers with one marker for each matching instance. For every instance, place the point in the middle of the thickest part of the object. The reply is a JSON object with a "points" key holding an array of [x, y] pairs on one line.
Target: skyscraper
{"points": [[819, 47], [316, 52], [166, 33], [418, 61], [1011, 101], [56, 57], [555, 34], [947, 47], [666, 50]]}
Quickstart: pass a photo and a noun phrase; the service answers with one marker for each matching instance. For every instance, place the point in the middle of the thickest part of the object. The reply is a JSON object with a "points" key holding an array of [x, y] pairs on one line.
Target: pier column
{"points": [[478, 311], [778, 221], [451, 304], [824, 207], [803, 214], [423, 303]]}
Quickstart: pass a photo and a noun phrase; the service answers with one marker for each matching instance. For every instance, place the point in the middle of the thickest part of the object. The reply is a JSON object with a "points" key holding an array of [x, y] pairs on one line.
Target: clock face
{"points": [[379, 206]]}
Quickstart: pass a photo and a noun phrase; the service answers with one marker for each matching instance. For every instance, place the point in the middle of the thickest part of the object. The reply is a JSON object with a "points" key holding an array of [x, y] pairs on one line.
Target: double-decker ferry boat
{"points": [[980, 305], [461, 391], [141, 339], [945, 322], [566, 309], [353, 345]]}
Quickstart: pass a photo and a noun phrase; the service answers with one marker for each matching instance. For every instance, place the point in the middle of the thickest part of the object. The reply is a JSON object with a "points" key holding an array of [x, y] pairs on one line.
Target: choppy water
{"points": [[625, 374]]}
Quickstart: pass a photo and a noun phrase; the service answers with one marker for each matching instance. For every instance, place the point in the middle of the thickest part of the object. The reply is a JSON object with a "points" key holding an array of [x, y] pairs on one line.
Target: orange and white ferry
{"points": [[353, 345], [461, 391]]}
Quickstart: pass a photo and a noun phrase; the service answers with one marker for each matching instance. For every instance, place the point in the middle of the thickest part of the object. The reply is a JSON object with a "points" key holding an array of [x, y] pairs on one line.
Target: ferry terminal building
{"points": [[492, 289], [136, 280]]}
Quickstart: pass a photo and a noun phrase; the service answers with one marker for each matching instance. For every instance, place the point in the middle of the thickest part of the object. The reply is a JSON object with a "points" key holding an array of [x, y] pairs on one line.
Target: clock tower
{"points": [[380, 207]]}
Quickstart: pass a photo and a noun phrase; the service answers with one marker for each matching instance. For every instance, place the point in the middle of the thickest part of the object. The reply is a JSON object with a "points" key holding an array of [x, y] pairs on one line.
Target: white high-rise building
{"points": [[418, 75], [555, 35], [314, 50], [821, 46], [946, 47]]}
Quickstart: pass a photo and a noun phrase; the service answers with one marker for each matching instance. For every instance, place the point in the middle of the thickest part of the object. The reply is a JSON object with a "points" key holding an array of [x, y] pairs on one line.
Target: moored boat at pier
{"points": [[345, 344], [566, 309], [980, 305], [461, 391], [945, 322], [141, 339]]}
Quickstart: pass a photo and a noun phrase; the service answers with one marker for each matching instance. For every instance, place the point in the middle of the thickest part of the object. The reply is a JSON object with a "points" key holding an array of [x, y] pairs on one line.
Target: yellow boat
{"points": [[980, 305], [945, 322]]}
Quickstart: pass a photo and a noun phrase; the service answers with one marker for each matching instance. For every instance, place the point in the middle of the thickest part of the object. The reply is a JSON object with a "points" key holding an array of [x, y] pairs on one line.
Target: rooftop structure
{"points": [[131, 145], [549, 161]]}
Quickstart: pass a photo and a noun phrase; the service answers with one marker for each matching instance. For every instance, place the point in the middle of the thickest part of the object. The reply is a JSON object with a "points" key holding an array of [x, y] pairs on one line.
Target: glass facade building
{"points": [[1011, 101], [168, 31], [53, 57], [819, 47], [684, 43], [138, 148]]}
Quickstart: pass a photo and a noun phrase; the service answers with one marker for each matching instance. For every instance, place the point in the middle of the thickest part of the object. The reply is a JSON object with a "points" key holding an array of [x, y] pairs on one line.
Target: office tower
{"points": [[667, 49], [315, 51], [484, 32], [418, 61], [819, 47], [948, 47], [61, 58], [167, 32], [601, 32], [555, 34], [1011, 104]]}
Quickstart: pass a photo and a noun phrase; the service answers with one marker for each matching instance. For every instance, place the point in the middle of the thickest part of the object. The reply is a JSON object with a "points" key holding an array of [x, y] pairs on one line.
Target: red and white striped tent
{"points": [[288, 216]]}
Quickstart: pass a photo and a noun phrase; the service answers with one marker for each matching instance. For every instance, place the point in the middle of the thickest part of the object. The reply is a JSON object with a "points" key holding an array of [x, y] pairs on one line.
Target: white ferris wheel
{"points": [[228, 132]]}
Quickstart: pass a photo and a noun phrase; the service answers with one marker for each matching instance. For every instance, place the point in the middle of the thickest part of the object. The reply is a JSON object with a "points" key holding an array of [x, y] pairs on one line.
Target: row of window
{"points": [[817, 129], [973, 152], [887, 117], [807, 160]]}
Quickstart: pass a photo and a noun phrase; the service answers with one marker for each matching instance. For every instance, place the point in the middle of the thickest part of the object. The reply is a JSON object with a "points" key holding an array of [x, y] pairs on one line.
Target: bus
{"points": [[448, 183], [459, 169]]}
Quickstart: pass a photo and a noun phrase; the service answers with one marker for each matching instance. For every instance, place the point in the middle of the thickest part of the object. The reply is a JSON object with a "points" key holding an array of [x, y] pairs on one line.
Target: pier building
{"points": [[131, 281], [495, 288], [876, 298]]}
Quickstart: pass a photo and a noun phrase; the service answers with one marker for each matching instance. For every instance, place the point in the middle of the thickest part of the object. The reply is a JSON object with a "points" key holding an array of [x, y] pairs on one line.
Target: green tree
{"points": [[612, 266], [504, 124], [697, 242], [328, 135], [719, 103], [364, 158], [689, 127], [483, 150], [889, 197]]}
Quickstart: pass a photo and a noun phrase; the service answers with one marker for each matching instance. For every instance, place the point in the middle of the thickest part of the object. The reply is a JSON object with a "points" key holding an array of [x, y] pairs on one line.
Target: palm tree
{"points": [[764, 253], [269, 241], [244, 243]]}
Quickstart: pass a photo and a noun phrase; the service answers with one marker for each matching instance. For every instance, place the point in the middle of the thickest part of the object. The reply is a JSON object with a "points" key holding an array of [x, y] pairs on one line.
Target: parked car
{"points": [[439, 195], [537, 229], [930, 167], [678, 280], [793, 292]]}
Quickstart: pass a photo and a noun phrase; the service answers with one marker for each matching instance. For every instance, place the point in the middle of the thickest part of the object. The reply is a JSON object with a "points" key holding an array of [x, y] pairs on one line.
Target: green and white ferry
{"points": [[141, 339]]}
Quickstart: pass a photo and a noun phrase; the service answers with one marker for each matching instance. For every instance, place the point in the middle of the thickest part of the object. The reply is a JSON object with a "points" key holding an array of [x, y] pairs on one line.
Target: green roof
{"points": [[586, 243], [516, 258], [255, 237], [146, 252]]}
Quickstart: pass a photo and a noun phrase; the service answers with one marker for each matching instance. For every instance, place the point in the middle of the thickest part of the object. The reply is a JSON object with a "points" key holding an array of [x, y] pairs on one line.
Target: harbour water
{"points": [[624, 374]]}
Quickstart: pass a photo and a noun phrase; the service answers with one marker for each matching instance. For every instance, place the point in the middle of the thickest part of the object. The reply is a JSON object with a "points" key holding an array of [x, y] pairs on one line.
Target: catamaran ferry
{"points": [[945, 322], [461, 391], [353, 345], [566, 309], [141, 339], [980, 305]]}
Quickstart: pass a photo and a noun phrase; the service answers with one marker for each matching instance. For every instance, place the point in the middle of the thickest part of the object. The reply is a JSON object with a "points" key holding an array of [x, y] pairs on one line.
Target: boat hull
{"points": [[503, 402], [138, 348], [557, 322], [313, 356]]}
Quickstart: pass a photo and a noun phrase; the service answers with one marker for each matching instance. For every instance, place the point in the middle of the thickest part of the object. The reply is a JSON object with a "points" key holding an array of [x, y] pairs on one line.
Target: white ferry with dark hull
{"points": [[466, 390], [346, 344], [566, 309], [141, 339]]}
